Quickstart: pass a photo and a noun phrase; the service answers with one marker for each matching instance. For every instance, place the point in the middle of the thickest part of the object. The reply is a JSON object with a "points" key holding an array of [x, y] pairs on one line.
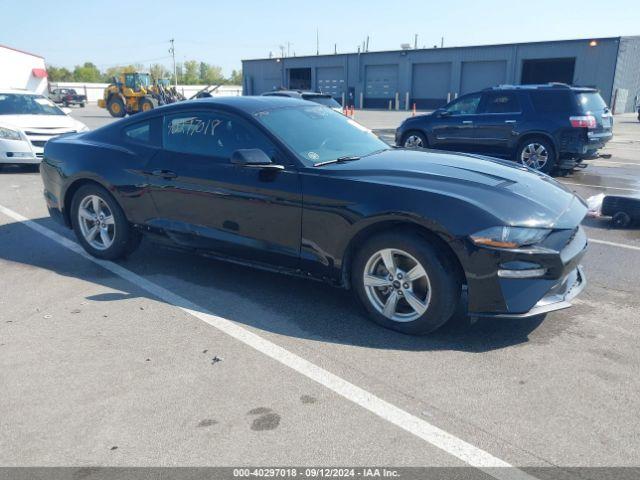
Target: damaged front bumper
{"points": [[558, 298]]}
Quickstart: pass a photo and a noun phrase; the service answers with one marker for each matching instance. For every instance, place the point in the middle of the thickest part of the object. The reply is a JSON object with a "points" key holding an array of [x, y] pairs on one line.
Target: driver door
{"points": [[456, 128], [204, 201]]}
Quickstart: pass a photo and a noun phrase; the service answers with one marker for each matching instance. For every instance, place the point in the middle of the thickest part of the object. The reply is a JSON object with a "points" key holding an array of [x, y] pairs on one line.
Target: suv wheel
{"points": [[100, 224], [415, 140], [405, 283], [537, 154]]}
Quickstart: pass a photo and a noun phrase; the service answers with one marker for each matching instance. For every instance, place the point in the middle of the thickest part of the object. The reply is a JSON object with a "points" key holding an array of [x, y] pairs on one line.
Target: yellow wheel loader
{"points": [[128, 94]]}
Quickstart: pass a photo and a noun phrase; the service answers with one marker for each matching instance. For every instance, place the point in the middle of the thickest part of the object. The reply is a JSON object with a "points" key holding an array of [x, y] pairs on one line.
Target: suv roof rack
{"points": [[530, 86]]}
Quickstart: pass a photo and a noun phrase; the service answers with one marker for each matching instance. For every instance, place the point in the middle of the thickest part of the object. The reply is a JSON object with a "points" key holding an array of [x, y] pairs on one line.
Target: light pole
{"points": [[172, 51]]}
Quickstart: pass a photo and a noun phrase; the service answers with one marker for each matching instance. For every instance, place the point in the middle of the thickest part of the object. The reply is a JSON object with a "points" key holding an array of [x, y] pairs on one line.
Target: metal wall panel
{"points": [[627, 76], [381, 85], [475, 76], [331, 80], [595, 65], [430, 84]]}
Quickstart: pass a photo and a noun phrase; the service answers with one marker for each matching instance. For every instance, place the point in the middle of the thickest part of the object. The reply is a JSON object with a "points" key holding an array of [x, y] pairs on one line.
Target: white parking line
{"points": [[600, 186], [433, 435], [614, 244]]}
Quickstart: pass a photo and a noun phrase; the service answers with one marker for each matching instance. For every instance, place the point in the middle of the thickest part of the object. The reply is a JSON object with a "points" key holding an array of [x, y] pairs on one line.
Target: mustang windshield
{"points": [[21, 104], [318, 134]]}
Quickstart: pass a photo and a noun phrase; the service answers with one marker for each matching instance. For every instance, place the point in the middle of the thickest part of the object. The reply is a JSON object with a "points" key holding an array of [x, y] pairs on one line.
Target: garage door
{"points": [[381, 85], [430, 84], [331, 80], [479, 75]]}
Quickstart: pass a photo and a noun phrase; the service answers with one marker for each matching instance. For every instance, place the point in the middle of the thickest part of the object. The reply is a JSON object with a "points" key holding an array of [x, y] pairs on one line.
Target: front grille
{"points": [[38, 143]]}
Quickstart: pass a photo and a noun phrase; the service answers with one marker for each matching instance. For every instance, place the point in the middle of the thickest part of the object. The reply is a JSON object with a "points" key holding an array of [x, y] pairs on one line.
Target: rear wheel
{"points": [[415, 140], [100, 224], [621, 220], [116, 107], [405, 283], [537, 153]]}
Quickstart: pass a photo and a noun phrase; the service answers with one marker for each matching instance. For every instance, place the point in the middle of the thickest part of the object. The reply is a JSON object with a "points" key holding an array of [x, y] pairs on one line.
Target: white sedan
{"points": [[27, 121]]}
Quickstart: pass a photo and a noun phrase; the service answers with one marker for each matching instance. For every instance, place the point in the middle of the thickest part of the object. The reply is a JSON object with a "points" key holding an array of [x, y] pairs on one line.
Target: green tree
{"points": [[236, 77], [87, 73], [191, 73], [158, 71], [211, 74], [59, 74]]}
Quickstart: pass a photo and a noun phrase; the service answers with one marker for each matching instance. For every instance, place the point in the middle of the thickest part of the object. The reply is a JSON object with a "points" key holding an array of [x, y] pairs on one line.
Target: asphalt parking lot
{"points": [[167, 359]]}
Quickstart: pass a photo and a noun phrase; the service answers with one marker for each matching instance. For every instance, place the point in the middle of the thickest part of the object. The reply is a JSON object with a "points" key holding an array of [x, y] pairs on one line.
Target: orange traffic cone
{"points": [[414, 110]]}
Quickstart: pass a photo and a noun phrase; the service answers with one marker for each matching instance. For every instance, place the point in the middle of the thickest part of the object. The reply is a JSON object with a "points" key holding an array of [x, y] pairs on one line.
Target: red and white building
{"points": [[22, 70]]}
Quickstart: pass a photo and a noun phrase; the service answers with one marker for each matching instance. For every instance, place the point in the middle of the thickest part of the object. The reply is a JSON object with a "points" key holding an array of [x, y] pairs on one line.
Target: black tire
{"points": [[126, 238], [116, 107], [552, 157], [621, 220], [445, 286], [65, 104], [82, 105], [419, 136], [146, 104]]}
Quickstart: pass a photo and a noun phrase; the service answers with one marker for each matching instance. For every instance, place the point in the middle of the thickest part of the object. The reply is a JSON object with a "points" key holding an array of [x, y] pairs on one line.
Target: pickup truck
{"points": [[67, 96]]}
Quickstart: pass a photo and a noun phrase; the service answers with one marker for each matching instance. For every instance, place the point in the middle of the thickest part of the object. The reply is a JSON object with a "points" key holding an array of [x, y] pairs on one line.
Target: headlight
{"points": [[509, 237], [8, 134]]}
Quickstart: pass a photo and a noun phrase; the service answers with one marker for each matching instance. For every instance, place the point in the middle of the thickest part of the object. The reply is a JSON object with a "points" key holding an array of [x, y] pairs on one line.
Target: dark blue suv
{"points": [[541, 126]]}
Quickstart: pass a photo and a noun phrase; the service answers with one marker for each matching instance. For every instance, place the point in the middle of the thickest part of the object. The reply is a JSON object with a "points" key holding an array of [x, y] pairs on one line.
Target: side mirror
{"points": [[66, 110], [441, 112], [253, 157]]}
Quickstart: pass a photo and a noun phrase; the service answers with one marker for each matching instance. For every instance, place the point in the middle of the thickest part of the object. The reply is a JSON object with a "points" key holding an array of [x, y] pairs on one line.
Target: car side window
{"points": [[212, 134], [144, 133], [467, 105], [501, 102]]}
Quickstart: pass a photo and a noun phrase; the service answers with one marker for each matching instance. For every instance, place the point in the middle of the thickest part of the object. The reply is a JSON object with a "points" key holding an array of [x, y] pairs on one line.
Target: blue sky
{"points": [[70, 32]]}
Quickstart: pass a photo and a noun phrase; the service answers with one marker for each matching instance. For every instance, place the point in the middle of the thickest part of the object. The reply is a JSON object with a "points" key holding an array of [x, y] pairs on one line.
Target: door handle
{"points": [[467, 122], [510, 121], [164, 174]]}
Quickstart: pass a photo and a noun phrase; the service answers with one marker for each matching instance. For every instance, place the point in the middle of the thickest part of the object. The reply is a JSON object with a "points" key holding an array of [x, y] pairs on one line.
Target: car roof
{"points": [[543, 86], [295, 93]]}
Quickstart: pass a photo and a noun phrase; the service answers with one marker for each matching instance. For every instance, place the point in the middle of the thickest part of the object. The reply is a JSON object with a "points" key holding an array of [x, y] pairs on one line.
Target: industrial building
{"points": [[427, 78]]}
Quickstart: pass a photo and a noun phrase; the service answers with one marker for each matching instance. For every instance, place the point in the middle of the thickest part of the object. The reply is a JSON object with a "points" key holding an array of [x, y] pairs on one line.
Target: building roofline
{"points": [[21, 51], [492, 45]]}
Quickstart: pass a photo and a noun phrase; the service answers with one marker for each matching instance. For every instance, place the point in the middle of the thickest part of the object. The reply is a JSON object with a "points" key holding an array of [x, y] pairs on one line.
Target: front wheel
{"points": [[537, 154], [405, 283], [100, 224], [415, 140], [116, 107]]}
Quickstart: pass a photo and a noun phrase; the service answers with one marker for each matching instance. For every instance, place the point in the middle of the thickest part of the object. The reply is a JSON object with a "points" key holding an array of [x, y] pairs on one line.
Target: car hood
{"points": [[58, 122], [513, 193]]}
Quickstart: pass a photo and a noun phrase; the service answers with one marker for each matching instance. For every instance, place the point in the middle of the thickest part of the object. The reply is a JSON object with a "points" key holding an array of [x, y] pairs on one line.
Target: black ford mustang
{"points": [[281, 184]]}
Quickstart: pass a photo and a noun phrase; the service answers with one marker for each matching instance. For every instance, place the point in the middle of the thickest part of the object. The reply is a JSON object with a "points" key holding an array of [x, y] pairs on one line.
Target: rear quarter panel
{"points": [[71, 160]]}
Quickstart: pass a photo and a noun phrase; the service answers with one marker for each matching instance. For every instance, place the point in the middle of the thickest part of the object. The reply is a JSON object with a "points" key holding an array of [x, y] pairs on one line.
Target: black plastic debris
{"points": [[624, 211]]}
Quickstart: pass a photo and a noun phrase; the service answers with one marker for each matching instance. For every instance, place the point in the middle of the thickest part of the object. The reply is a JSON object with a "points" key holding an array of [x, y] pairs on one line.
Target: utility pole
{"points": [[442, 42], [317, 41], [367, 49], [415, 42], [172, 51]]}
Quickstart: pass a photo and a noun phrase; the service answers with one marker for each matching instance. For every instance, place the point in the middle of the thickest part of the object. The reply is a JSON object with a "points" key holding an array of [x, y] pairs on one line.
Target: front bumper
{"points": [[492, 295], [558, 298]]}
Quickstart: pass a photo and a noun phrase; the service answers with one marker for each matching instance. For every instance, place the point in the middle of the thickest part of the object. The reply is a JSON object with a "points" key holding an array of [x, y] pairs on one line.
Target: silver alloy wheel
{"points": [[397, 285], [97, 225], [534, 155], [413, 141]]}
